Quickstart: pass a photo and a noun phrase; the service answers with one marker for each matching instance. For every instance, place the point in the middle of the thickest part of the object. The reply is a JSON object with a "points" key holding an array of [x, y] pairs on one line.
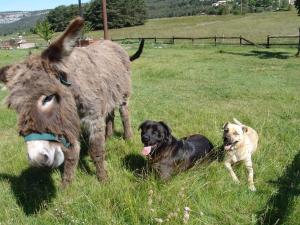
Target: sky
{"points": [[31, 5]]}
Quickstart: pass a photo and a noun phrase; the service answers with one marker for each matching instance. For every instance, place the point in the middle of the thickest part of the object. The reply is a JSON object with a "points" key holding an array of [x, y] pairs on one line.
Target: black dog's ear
{"points": [[143, 124], [168, 129]]}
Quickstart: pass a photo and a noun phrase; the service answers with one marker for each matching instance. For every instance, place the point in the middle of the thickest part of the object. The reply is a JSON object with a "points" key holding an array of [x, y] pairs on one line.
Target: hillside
{"points": [[255, 26], [174, 8], [11, 22]]}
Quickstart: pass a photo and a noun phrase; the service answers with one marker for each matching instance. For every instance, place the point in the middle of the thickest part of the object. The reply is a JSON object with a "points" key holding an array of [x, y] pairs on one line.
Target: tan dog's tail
{"points": [[237, 122]]}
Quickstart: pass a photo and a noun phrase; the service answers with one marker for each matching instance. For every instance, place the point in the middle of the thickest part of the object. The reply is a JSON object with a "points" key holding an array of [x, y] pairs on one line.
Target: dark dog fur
{"points": [[169, 155]]}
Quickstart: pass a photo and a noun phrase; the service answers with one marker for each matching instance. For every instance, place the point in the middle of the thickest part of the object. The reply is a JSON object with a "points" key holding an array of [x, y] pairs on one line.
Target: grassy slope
{"points": [[255, 26], [194, 90]]}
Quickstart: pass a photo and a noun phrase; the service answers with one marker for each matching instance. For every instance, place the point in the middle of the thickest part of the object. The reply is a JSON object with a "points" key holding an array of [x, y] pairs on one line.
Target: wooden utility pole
{"points": [[104, 15], [241, 7], [80, 8], [298, 53]]}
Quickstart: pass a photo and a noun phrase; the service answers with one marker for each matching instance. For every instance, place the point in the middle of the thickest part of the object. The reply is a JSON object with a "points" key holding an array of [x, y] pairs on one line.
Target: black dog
{"points": [[166, 154]]}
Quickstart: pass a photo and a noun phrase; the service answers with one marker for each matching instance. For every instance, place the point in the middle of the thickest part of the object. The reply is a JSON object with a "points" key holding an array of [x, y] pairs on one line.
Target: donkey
{"points": [[64, 89]]}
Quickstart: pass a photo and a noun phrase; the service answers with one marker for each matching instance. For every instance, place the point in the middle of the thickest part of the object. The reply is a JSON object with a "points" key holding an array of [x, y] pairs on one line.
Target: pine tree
{"points": [[297, 6]]}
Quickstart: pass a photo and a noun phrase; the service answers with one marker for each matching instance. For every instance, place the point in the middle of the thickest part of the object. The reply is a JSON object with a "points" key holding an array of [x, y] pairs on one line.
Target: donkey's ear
{"points": [[4, 74], [64, 44]]}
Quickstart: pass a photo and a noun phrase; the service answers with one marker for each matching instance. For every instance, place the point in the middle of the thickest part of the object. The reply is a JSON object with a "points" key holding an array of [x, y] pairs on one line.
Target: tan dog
{"points": [[240, 141]]}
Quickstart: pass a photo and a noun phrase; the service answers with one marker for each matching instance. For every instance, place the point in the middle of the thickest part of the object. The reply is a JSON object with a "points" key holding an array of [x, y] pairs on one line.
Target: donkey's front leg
{"points": [[71, 161], [97, 151]]}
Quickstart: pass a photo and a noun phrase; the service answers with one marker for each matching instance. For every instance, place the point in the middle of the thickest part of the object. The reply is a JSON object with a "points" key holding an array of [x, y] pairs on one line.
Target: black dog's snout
{"points": [[145, 138]]}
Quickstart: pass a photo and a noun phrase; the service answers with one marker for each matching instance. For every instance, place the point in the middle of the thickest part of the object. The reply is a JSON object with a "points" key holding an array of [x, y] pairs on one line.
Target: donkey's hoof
{"points": [[128, 136], [65, 184], [102, 176]]}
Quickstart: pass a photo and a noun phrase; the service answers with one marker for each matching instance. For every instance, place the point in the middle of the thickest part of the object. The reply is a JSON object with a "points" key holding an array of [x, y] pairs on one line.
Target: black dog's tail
{"points": [[139, 51]]}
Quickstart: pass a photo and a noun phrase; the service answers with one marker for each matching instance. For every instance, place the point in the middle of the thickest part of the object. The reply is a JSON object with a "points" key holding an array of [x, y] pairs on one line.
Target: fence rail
{"points": [[239, 40], [271, 40]]}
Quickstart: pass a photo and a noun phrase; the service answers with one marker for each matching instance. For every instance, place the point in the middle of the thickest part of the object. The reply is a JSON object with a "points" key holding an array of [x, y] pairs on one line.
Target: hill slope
{"points": [[255, 26], [173, 8]]}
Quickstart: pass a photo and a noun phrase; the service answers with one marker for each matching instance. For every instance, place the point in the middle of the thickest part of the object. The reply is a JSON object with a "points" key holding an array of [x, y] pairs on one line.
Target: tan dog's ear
{"points": [[224, 125], [64, 45], [245, 129]]}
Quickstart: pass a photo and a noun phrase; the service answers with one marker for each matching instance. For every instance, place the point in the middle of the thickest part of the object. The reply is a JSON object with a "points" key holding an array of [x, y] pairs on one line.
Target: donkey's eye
{"points": [[48, 99]]}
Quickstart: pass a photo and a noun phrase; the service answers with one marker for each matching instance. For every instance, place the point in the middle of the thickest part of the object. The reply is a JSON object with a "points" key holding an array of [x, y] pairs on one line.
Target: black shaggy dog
{"points": [[168, 155]]}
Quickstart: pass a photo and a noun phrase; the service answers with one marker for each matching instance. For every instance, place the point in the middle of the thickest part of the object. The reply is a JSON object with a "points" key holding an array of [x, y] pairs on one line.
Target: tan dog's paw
{"points": [[237, 181], [252, 188]]}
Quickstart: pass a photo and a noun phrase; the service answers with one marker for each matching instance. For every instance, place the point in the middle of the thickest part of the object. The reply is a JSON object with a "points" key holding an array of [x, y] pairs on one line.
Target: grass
{"points": [[254, 26], [194, 90]]}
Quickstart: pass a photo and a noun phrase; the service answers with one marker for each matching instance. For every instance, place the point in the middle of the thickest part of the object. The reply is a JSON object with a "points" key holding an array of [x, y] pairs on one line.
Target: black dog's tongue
{"points": [[146, 150]]}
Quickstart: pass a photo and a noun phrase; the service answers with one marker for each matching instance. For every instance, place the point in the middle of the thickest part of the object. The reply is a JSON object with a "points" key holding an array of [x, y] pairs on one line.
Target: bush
{"points": [[259, 9], [223, 10], [211, 11]]}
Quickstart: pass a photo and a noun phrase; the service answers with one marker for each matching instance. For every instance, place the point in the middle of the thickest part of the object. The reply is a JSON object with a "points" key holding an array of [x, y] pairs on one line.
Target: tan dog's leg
{"points": [[249, 167], [232, 173]]}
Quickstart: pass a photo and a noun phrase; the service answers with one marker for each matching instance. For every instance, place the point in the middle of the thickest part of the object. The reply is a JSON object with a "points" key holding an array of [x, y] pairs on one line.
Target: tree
{"points": [[297, 6], [43, 29], [60, 16]]}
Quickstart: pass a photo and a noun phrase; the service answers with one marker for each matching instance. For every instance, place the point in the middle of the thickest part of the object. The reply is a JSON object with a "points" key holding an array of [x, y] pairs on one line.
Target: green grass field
{"points": [[253, 26], [194, 90]]}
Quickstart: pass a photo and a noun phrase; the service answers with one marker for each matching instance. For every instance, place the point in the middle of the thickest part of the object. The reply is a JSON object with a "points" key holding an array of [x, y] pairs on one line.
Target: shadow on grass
{"points": [[137, 164], [217, 154], [261, 54], [33, 189], [280, 205]]}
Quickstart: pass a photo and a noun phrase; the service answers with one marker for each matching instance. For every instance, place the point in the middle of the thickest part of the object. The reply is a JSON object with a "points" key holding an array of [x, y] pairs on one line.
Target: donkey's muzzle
{"points": [[44, 154]]}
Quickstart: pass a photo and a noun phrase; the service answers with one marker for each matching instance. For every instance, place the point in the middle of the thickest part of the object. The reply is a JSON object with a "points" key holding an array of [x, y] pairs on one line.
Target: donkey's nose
{"points": [[45, 156]]}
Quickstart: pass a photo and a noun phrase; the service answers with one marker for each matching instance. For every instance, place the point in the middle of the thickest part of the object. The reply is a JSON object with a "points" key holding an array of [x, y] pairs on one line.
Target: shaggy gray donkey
{"points": [[65, 89]]}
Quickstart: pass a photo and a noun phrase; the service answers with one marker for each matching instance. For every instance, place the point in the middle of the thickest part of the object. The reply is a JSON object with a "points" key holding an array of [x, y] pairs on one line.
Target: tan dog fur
{"points": [[240, 142]]}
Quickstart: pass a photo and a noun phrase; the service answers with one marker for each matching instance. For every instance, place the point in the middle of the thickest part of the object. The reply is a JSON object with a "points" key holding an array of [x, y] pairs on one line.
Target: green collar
{"points": [[47, 137]]}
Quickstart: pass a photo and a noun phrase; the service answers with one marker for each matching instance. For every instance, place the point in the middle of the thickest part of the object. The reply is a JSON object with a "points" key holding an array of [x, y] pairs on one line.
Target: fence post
{"points": [[215, 40], [298, 53], [192, 41], [173, 40], [241, 40], [268, 41], [155, 40]]}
